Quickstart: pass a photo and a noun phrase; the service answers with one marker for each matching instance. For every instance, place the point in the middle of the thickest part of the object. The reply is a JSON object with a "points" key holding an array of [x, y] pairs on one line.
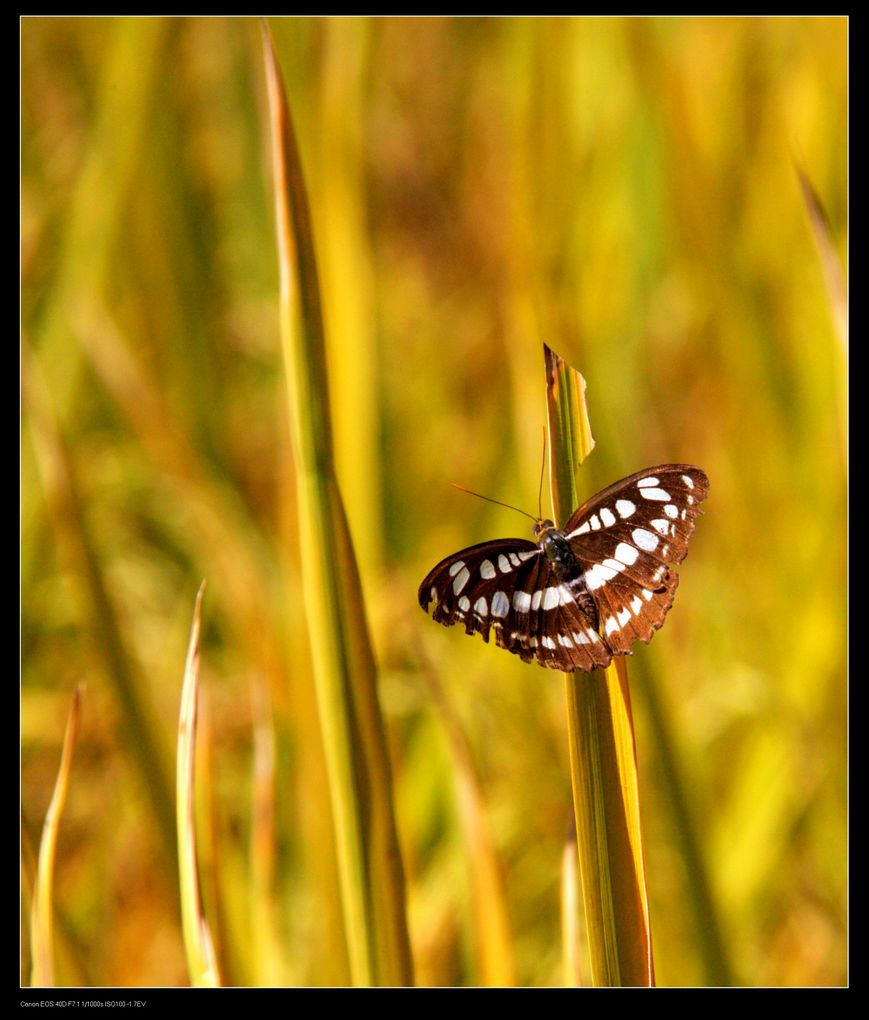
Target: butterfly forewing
{"points": [[625, 537], [476, 586], [614, 589]]}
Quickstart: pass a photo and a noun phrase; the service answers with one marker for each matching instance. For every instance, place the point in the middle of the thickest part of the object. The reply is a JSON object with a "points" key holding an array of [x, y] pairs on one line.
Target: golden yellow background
{"points": [[623, 189]]}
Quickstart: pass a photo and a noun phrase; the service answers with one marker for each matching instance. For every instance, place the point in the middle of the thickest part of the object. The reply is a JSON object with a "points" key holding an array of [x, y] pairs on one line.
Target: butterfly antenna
{"points": [[488, 499], [542, 470]]}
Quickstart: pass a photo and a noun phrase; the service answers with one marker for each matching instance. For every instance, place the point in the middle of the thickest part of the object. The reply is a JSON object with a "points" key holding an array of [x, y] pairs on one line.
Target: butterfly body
{"points": [[581, 594]]}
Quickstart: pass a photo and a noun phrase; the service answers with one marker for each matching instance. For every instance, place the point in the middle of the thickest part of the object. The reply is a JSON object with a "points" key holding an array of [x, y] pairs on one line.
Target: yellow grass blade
{"points": [[198, 945], [42, 908], [144, 740], [570, 948], [602, 751], [493, 937], [569, 429], [369, 861], [708, 934], [834, 278]]}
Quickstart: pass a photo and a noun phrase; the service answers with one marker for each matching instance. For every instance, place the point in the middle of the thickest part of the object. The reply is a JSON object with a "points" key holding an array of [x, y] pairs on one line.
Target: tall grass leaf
{"points": [[263, 848], [348, 285], [118, 112], [369, 860], [496, 965], [570, 928], [834, 278], [42, 907], [27, 867], [221, 530], [708, 934], [198, 945], [143, 739], [602, 750]]}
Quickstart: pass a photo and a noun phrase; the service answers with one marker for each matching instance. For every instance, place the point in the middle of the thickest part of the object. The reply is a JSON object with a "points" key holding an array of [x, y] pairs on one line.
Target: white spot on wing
{"points": [[550, 598], [535, 599], [481, 607], [643, 482], [645, 539], [548, 642], [661, 526], [598, 575], [487, 570], [456, 567], [581, 530], [656, 494], [464, 603], [500, 604], [461, 579], [608, 517], [625, 507], [527, 555], [521, 601], [595, 523], [671, 511], [504, 564], [688, 480], [627, 553]]}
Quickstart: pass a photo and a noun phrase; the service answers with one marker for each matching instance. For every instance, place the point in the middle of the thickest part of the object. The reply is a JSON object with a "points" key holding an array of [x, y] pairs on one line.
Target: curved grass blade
{"points": [[837, 297], [143, 736], [602, 751], [709, 936], [369, 860], [42, 909], [570, 911], [493, 940], [198, 945]]}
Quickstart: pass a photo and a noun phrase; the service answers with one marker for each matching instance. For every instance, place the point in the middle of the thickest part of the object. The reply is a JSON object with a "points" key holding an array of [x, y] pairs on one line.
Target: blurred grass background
{"points": [[623, 189]]}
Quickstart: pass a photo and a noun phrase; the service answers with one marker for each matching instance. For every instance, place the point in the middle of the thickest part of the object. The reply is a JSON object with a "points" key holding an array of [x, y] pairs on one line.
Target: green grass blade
{"points": [[570, 435], [601, 741], [198, 946], [493, 938], [369, 861], [57, 468], [570, 929], [834, 278], [708, 934], [42, 907]]}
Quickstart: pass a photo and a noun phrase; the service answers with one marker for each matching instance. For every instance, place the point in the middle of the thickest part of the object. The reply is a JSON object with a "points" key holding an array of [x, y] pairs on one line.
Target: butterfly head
{"points": [[542, 528], [555, 545]]}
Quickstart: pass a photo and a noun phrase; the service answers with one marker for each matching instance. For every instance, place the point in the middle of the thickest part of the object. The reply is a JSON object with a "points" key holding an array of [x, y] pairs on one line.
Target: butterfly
{"points": [[577, 595]]}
